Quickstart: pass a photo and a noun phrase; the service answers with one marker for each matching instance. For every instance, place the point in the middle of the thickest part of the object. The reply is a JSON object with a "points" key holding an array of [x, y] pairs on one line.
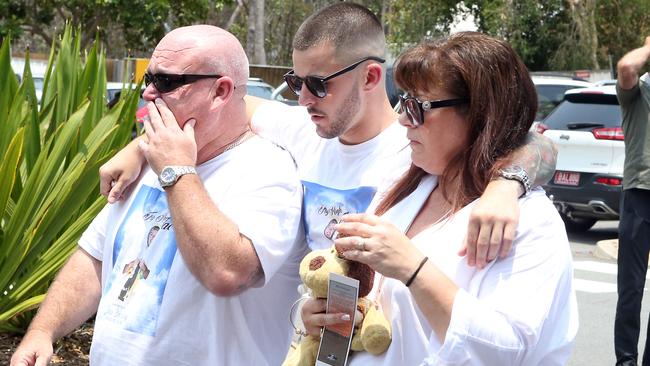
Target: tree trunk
{"points": [[583, 13], [593, 33], [255, 37], [234, 15]]}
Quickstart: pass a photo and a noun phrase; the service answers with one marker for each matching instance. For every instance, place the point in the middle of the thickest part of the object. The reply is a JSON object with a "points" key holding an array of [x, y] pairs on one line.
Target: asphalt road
{"points": [[595, 282]]}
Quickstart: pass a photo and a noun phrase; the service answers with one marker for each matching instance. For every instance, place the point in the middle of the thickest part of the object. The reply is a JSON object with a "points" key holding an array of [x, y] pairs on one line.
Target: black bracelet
{"points": [[410, 281]]}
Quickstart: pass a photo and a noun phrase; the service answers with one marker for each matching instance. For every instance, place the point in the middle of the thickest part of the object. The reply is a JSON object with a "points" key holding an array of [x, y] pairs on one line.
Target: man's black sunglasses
{"points": [[316, 84], [415, 109], [165, 83]]}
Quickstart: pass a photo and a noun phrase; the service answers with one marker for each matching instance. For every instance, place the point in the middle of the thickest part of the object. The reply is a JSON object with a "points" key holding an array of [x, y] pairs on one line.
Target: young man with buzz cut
{"points": [[348, 144]]}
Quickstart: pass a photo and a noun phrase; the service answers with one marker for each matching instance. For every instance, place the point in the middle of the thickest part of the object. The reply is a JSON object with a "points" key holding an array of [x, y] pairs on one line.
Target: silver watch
{"points": [[515, 172], [170, 174]]}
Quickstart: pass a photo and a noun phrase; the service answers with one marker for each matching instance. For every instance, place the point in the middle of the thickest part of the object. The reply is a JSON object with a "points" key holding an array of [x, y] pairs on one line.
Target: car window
{"points": [[261, 91], [548, 97], [586, 110], [111, 93]]}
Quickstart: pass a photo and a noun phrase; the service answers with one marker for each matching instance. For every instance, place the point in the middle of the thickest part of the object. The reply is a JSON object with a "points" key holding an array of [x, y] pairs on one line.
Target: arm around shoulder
{"points": [[117, 174], [494, 219], [537, 157], [252, 103]]}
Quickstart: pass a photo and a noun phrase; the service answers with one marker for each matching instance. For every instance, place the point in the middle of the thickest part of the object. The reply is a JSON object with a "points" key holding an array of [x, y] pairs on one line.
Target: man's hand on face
{"points": [[168, 143]]}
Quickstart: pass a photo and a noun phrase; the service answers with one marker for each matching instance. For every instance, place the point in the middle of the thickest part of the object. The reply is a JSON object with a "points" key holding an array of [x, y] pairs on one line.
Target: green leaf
{"points": [[8, 169], [8, 80], [21, 307], [33, 139]]}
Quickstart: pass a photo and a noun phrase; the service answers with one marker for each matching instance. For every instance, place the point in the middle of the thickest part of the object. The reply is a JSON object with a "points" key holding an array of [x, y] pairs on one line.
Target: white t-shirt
{"points": [[153, 311], [519, 310], [336, 178]]}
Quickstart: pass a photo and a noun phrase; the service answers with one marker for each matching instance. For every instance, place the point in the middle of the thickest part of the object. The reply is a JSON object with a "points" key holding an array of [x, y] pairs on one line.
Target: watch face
{"points": [[167, 175]]}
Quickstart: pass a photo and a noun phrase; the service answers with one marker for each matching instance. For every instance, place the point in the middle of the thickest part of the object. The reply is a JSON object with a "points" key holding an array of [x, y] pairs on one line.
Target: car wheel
{"points": [[577, 224]]}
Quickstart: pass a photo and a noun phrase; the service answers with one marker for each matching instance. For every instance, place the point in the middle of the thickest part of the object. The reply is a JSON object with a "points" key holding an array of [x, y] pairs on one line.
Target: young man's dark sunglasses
{"points": [[165, 83], [415, 109], [316, 84]]}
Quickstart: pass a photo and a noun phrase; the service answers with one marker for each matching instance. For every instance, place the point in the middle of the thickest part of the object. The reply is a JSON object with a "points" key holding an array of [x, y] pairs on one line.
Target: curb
{"points": [[607, 249]]}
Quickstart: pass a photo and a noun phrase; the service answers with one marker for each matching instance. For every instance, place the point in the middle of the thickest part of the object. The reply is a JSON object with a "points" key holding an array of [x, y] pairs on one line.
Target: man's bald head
{"points": [[206, 49]]}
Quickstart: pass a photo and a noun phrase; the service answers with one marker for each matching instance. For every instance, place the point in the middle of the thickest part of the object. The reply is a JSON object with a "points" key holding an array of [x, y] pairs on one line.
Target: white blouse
{"points": [[518, 310]]}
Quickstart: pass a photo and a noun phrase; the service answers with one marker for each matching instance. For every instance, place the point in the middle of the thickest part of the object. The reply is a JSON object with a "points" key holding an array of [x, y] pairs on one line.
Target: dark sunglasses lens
{"points": [[316, 86], [165, 84], [412, 111], [294, 83]]}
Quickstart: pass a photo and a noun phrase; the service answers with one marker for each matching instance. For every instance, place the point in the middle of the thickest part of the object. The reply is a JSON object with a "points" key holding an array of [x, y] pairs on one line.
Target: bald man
{"points": [[221, 262]]}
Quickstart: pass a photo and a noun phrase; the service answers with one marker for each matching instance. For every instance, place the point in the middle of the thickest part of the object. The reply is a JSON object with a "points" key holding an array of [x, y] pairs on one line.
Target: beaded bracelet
{"points": [[424, 260]]}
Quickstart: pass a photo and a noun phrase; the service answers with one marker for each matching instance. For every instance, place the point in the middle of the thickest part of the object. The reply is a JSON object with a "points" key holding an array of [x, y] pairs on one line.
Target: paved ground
{"points": [[594, 260]]}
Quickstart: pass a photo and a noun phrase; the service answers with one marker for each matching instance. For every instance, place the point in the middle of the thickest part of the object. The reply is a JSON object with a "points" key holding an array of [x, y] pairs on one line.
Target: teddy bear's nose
{"points": [[316, 263]]}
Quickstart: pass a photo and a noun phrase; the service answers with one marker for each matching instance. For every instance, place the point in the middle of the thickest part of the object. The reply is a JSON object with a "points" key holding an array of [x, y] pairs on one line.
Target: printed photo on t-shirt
{"points": [[323, 207], [142, 259]]}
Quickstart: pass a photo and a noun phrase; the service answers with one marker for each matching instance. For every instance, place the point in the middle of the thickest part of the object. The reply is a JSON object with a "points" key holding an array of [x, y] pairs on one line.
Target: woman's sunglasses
{"points": [[415, 109], [316, 84], [165, 83]]}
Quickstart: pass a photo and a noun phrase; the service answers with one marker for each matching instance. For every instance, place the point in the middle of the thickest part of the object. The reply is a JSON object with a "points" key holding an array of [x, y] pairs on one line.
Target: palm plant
{"points": [[50, 155]]}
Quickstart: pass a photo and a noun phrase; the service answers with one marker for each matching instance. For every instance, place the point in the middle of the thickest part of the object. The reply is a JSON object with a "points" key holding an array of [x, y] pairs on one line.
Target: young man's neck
{"points": [[376, 119]]}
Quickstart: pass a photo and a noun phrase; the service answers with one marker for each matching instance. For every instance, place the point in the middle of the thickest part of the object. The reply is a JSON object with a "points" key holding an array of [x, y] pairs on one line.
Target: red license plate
{"points": [[567, 178]]}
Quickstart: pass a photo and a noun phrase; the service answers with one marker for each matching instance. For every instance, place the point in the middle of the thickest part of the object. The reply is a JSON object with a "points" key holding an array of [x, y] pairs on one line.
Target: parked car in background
{"points": [[258, 88], [587, 184], [550, 91], [277, 95], [605, 82], [114, 91]]}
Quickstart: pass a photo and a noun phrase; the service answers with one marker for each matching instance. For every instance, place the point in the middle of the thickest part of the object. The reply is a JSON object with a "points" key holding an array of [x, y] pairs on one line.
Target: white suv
{"points": [[550, 91], [586, 128]]}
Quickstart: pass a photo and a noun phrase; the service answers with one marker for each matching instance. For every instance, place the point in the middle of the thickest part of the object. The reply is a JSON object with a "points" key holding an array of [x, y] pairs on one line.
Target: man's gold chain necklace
{"points": [[239, 140]]}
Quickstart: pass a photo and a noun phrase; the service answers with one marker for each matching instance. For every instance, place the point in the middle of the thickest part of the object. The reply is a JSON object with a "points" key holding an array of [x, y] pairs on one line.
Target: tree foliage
{"points": [[125, 25], [409, 21], [534, 29], [549, 35], [622, 25]]}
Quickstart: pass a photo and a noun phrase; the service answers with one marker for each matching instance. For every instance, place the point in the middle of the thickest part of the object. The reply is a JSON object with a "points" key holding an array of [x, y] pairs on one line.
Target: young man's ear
{"points": [[373, 76]]}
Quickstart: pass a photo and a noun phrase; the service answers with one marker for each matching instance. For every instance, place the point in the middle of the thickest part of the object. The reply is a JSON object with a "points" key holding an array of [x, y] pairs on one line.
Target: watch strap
{"points": [[519, 175]]}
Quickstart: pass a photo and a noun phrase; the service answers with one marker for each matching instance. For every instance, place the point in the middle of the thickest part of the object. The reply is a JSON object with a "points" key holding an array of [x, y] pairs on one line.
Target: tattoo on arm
{"points": [[538, 157]]}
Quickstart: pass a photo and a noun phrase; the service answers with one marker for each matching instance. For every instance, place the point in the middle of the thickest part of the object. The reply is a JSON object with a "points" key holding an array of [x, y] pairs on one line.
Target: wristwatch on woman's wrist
{"points": [[517, 173]]}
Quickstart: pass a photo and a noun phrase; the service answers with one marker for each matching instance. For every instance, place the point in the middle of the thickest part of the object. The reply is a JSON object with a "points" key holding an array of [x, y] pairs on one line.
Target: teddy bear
{"points": [[372, 335]]}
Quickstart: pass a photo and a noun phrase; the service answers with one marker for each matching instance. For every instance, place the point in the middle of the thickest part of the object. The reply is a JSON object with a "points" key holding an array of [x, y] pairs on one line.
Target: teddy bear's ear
{"points": [[364, 274]]}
